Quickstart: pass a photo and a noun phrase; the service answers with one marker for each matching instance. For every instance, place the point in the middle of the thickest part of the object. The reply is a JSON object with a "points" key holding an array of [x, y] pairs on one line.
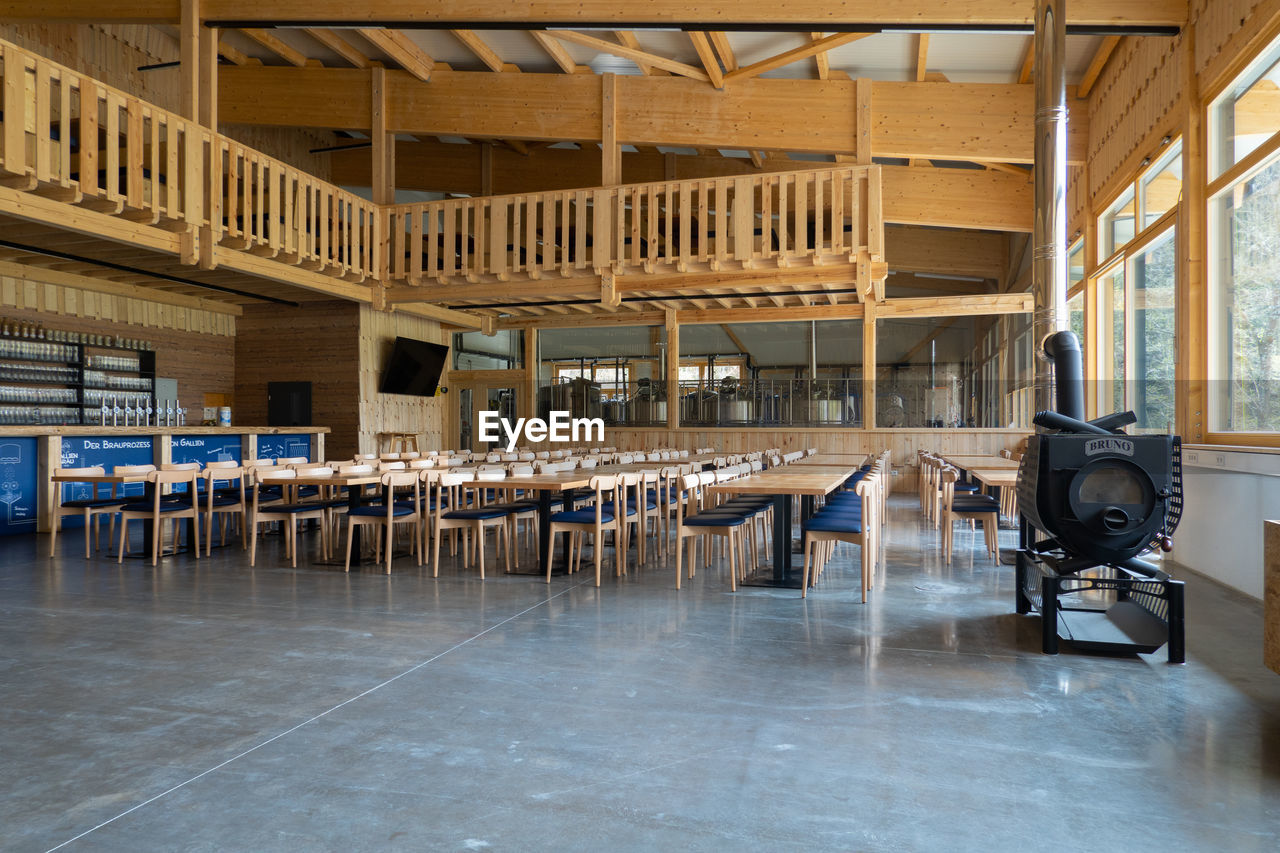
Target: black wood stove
{"points": [[1092, 500]]}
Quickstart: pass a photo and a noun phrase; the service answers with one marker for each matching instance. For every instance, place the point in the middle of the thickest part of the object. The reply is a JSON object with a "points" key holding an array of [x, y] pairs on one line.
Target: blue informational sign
{"points": [[106, 452], [275, 446], [204, 448], [18, 485]]}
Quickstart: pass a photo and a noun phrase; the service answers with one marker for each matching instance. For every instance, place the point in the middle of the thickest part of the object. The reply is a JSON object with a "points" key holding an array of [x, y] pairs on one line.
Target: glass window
{"points": [[1246, 115], [1153, 274], [1075, 313], [1075, 264], [1245, 303], [1161, 185], [1111, 340], [503, 350], [1116, 226]]}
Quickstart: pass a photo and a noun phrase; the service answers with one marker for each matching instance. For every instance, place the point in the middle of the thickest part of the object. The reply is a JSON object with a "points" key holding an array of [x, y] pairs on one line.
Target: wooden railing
{"points": [[74, 139], [67, 137], [719, 224]]}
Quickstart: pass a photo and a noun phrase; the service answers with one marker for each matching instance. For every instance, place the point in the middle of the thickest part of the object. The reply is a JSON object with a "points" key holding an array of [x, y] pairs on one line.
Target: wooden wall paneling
{"points": [[202, 362], [395, 412], [317, 343]]}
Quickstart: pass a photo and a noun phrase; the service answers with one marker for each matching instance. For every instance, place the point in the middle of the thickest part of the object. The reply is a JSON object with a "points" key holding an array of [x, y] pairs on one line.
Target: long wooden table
{"points": [[784, 483], [122, 480], [857, 460], [968, 462]]}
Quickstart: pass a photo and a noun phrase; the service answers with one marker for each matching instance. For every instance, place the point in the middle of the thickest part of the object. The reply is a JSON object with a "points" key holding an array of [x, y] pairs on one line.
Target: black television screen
{"points": [[414, 368]]}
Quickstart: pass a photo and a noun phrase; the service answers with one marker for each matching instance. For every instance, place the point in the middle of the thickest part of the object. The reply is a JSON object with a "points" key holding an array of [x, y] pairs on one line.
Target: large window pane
{"points": [[1151, 394], [613, 373], [1161, 186], [1246, 114], [1075, 313], [1246, 291], [1111, 340], [1116, 227]]}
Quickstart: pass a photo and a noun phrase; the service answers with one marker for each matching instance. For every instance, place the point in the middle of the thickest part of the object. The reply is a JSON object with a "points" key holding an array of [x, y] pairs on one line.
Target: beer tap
{"points": [[168, 413], [104, 411], [128, 412], [182, 415], [149, 412], [115, 410]]}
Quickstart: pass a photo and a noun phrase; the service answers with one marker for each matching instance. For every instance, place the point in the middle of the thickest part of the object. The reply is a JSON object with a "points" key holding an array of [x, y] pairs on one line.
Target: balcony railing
{"points": [[719, 224]]}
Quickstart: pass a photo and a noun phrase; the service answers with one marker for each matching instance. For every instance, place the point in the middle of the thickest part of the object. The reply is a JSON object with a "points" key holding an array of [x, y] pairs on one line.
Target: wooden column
{"points": [[1271, 594], [869, 366], [673, 369], [189, 55], [531, 370], [48, 458], [862, 146], [1192, 370], [211, 234], [610, 150], [384, 149]]}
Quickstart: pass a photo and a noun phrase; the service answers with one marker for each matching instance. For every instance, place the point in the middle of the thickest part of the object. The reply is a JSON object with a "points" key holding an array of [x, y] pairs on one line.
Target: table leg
{"points": [[544, 534], [782, 576]]}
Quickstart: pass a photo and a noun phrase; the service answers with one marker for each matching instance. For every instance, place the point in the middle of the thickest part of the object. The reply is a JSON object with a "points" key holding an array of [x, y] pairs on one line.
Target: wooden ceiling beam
{"points": [[707, 13], [268, 40], [403, 51], [483, 52], [922, 56], [707, 55], [558, 54], [335, 42], [1028, 61], [725, 49], [626, 38], [1099, 62], [634, 55], [984, 122], [821, 60], [785, 58]]}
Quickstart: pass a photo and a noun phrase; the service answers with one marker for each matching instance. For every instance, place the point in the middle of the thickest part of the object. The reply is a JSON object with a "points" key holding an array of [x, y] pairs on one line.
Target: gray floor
{"points": [[215, 707]]}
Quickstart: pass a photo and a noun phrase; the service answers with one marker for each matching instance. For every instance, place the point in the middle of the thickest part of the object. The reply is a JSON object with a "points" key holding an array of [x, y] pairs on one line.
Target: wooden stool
{"points": [[397, 442]]}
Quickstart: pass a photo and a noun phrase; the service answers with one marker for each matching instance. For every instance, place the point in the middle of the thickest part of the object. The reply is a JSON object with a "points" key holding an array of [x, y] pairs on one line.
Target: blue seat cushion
{"points": [[477, 514], [376, 511], [833, 524], [582, 516], [715, 519], [966, 487], [93, 504], [631, 508], [294, 508], [223, 500], [974, 503], [147, 506]]}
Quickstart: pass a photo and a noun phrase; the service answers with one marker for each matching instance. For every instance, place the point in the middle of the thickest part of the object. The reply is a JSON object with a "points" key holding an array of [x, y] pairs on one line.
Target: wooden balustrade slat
{"points": [[15, 111], [88, 130], [44, 154], [64, 130]]}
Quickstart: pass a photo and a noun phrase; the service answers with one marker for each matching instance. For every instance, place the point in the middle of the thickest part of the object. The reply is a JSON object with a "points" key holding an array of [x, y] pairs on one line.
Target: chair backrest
{"points": [[181, 475], [355, 470], [313, 471], [400, 478], [491, 475], [588, 462], [365, 457], [449, 481], [521, 470], [457, 461], [410, 454], [392, 466], [132, 470], [228, 463], [422, 463], [389, 457], [509, 457], [292, 460], [93, 471], [526, 456]]}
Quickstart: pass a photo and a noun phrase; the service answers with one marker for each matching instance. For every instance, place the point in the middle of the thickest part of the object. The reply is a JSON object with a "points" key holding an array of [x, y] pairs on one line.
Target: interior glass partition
{"points": [[802, 374], [614, 373], [954, 372]]}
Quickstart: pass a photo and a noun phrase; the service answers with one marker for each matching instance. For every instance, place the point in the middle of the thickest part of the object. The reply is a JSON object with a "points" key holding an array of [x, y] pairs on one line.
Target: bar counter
{"points": [[29, 455]]}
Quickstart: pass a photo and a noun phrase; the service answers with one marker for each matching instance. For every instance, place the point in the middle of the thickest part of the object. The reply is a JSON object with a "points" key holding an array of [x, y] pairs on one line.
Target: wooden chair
{"points": [[389, 513], [225, 502], [856, 523], [288, 511], [694, 522], [450, 492], [972, 507], [89, 507], [595, 520], [163, 506]]}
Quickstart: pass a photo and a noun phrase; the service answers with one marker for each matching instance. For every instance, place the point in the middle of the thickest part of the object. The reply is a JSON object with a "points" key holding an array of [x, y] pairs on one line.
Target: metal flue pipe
{"points": [[1049, 259]]}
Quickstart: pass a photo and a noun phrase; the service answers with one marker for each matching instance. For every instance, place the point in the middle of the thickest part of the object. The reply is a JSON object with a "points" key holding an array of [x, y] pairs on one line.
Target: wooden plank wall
{"points": [[422, 416], [112, 55], [317, 343], [1223, 30], [902, 442], [195, 347], [1138, 94]]}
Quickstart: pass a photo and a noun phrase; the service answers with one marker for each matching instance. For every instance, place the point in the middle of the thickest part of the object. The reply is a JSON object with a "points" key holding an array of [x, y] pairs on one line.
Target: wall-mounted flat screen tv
{"points": [[415, 368]]}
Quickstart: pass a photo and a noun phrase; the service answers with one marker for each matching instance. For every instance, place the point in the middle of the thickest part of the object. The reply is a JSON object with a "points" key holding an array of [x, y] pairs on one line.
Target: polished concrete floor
{"points": [[212, 706]]}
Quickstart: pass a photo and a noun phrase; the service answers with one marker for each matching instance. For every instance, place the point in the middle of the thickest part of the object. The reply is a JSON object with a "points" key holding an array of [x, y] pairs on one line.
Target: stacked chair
{"points": [[853, 514]]}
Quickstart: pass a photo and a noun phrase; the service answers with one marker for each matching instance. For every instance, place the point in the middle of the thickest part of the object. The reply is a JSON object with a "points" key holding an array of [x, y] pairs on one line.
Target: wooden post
{"points": [[531, 373], [383, 145], [486, 168], [1192, 372], [869, 366], [48, 458], [610, 150], [189, 56], [210, 234], [862, 147], [673, 369]]}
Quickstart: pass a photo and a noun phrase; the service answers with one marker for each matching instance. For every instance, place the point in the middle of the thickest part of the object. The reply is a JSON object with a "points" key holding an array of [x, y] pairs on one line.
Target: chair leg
{"points": [[480, 547], [391, 541], [435, 555], [551, 550], [88, 523], [351, 526], [155, 539], [678, 563], [804, 577], [124, 538]]}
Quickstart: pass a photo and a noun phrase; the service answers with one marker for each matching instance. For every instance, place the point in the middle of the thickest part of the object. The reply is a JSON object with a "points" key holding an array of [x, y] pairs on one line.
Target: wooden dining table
{"points": [[857, 460], [784, 483], [966, 462], [122, 480], [355, 484]]}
